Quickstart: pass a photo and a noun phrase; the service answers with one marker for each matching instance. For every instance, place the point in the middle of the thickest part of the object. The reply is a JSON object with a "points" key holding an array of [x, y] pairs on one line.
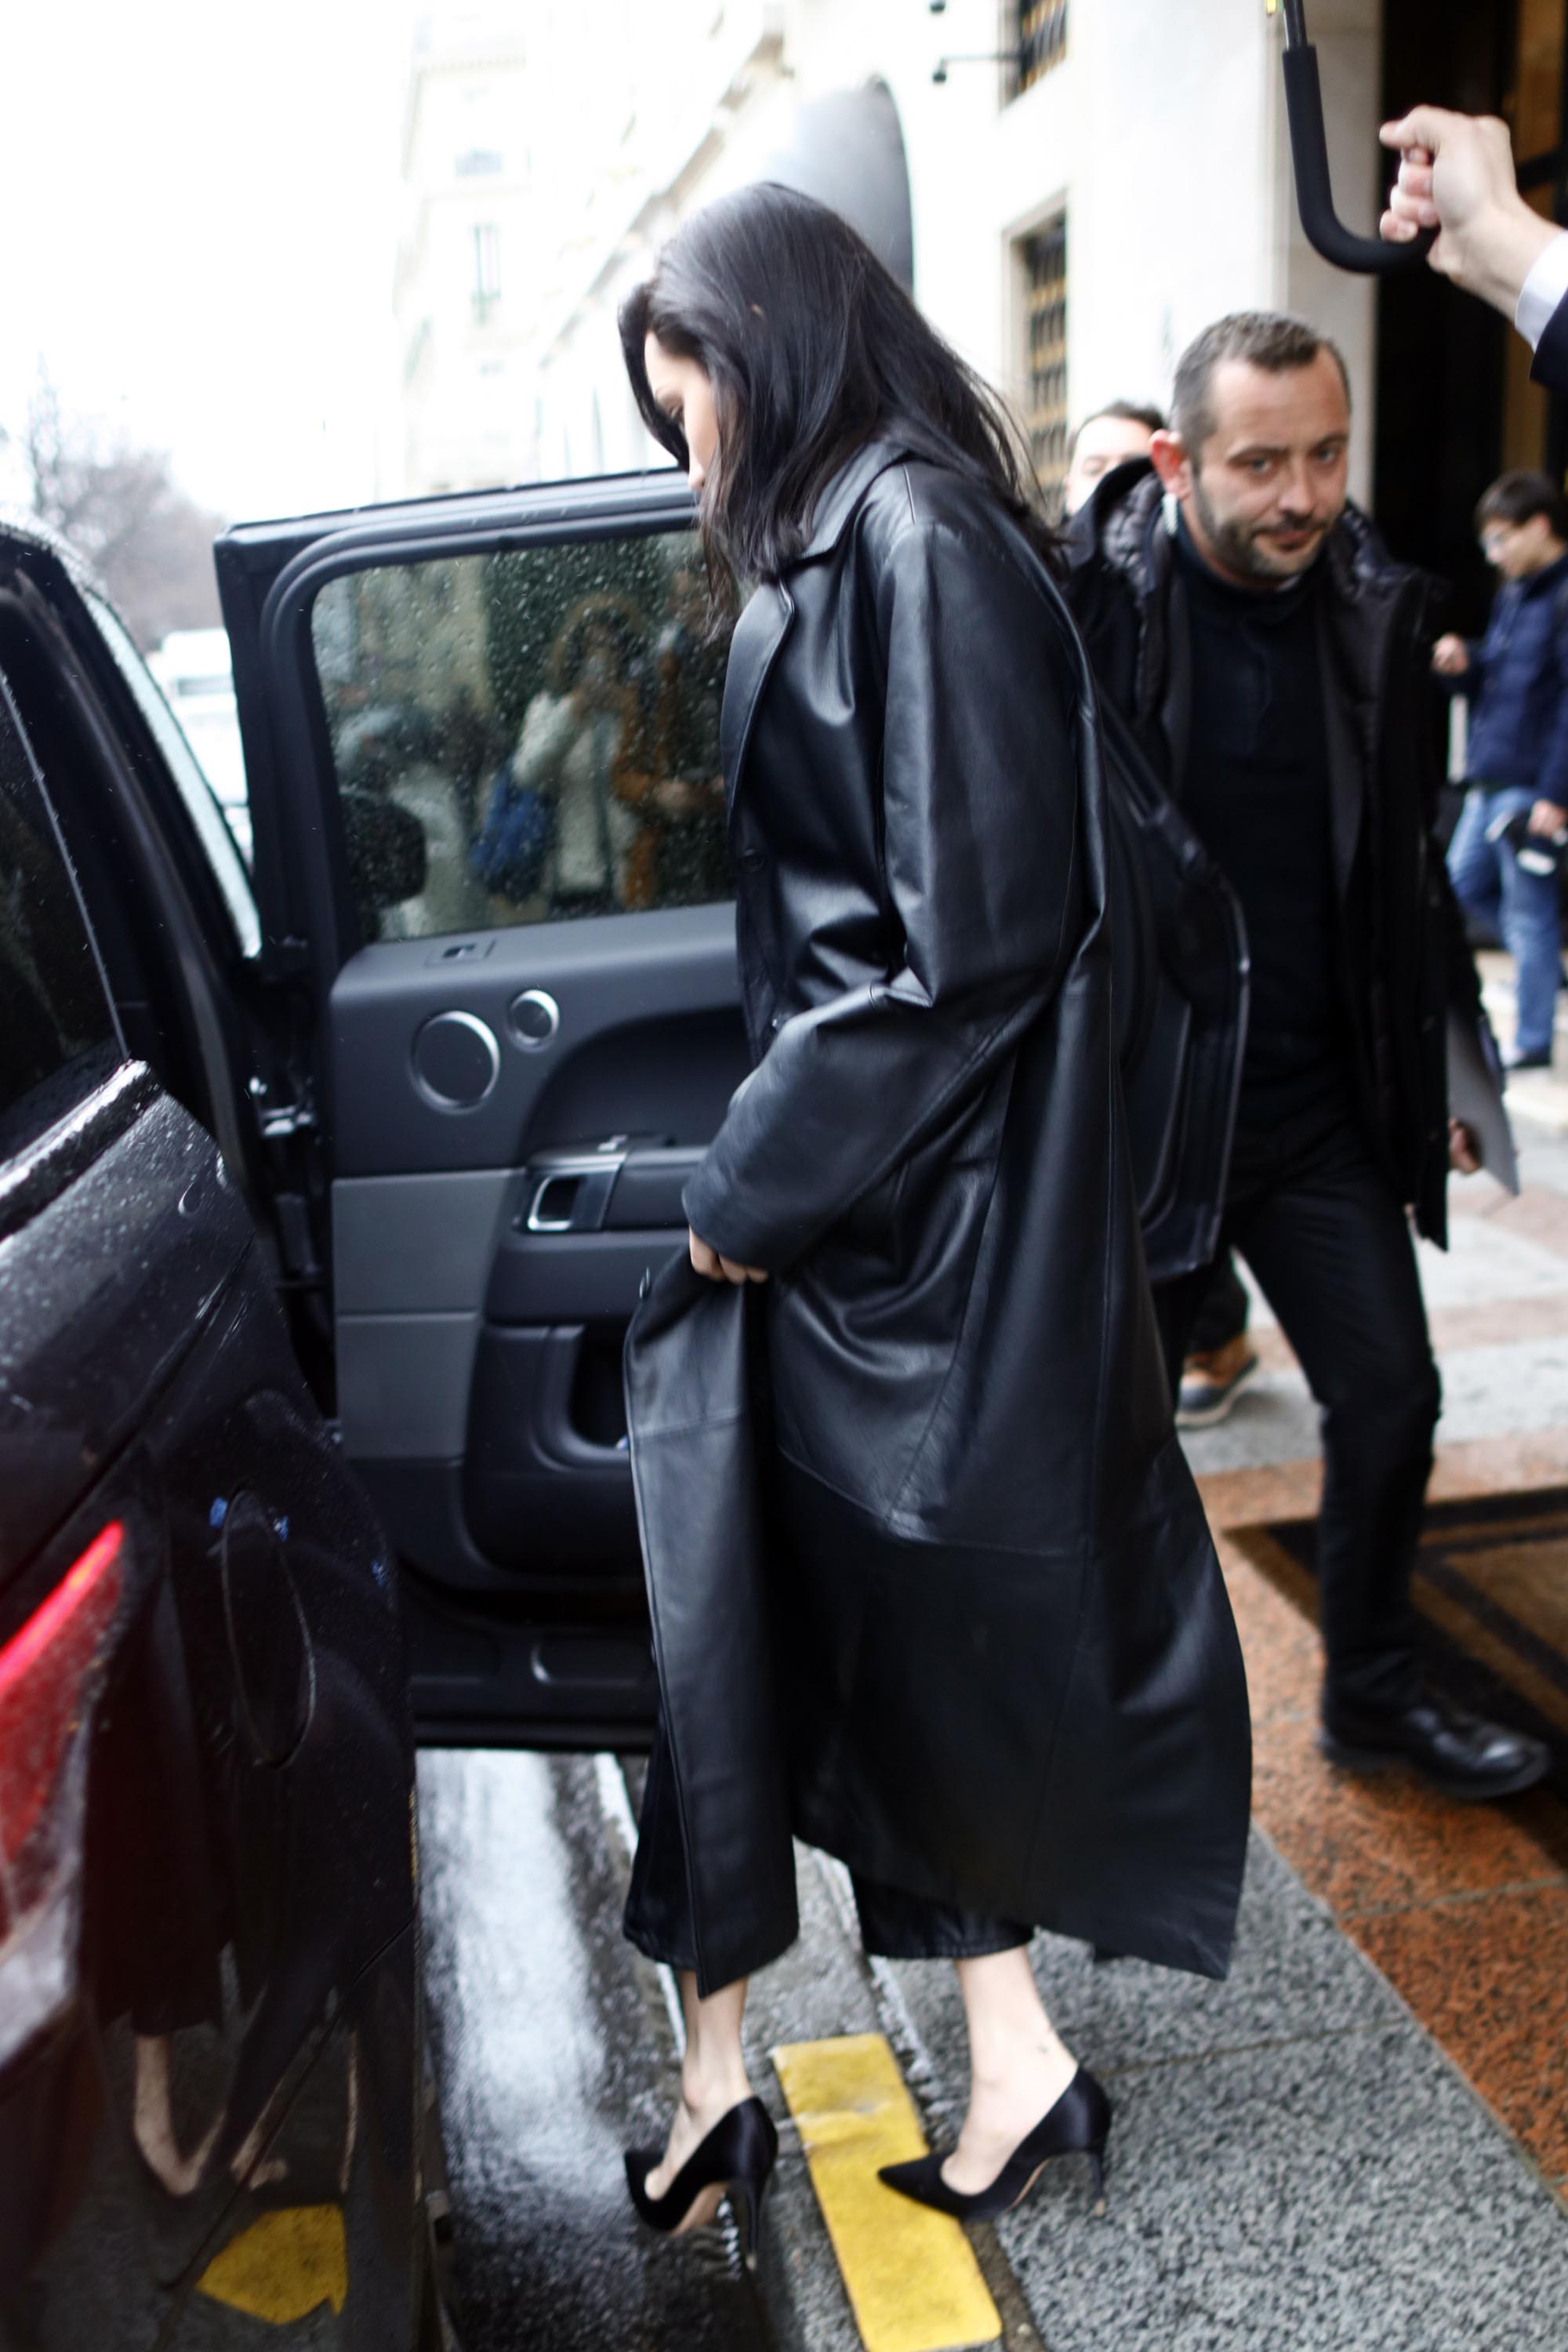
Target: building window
{"points": [[1046, 416], [486, 265], [479, 163], [1042, 38]]}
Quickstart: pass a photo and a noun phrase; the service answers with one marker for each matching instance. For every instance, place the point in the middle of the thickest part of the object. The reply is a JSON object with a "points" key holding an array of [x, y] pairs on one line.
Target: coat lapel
{"points": [[766, 622], [754, 649]]}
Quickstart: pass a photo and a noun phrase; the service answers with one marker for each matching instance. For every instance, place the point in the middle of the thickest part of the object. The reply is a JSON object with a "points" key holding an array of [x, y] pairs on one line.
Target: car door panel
{"points": [[510, 1104], [649, 1042], [450, 1284]]}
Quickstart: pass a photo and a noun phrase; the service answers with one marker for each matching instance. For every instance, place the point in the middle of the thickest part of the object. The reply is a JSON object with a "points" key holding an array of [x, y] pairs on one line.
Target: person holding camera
{"points": [[1504, 857]]}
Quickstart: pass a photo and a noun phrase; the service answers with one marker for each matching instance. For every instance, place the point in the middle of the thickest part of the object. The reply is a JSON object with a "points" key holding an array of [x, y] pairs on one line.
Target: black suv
{"points": [[336, 1173]]}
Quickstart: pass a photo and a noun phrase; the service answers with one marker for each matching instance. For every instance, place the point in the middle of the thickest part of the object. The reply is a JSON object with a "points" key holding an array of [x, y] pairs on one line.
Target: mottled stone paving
{"points": [[1462, 1910]]}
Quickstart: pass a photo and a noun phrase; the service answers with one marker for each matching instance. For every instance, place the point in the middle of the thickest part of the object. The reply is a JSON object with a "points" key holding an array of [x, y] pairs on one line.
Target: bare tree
{"points": [[119, 507]]}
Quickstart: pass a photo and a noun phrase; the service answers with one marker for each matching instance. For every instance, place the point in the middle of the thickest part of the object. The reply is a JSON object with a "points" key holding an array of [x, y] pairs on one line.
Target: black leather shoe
{"points": [[1078, 2124], [1458, 1752]]}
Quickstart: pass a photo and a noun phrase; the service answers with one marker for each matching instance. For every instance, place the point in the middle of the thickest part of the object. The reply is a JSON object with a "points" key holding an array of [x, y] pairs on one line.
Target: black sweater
{"points": [[1257, 792]]}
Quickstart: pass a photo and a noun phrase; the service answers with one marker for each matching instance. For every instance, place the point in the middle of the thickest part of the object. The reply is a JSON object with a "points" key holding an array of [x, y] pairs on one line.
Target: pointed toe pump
{"points": [[1078, 2124], [737, 2155]]}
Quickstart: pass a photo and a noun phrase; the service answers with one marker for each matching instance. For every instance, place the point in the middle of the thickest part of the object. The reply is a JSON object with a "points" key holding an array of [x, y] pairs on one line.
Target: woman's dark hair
{"points": [[813, 349]]}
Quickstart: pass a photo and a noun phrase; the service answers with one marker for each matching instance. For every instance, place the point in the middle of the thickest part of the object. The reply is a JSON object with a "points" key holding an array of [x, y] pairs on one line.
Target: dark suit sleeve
{"points": [[1552, 776], [983, 858], [1550, 366]]}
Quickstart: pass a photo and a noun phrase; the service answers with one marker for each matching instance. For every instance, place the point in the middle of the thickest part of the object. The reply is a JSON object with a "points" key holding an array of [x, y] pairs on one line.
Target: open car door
{"points": [[482, 739]]}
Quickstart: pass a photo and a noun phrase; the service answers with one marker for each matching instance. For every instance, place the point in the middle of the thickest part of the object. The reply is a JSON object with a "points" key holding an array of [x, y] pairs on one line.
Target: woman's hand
{"points": [[721, 1269], [1464, 1153]]}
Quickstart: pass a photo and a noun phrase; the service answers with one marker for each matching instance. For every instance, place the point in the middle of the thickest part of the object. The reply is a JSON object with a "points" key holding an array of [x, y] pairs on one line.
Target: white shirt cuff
{"points": [[1542, 291]]}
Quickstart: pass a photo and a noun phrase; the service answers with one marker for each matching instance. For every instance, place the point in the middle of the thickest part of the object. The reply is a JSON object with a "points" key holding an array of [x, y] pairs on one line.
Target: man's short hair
{"points": [[1264, 339], [1129, 412], [1517, 496]]}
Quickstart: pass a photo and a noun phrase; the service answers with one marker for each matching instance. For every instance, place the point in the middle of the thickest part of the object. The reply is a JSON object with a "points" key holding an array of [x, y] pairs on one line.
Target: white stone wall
{"points": [[1164, 133], [463, 401]]}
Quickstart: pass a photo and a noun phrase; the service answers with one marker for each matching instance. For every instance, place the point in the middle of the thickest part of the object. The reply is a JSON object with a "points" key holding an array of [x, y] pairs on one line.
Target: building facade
{"points": [[1085, 185], [465, 296]]}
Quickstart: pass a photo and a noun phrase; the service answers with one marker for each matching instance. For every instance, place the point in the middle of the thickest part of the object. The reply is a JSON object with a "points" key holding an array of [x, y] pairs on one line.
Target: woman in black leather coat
{"points": [[944, 1602]]}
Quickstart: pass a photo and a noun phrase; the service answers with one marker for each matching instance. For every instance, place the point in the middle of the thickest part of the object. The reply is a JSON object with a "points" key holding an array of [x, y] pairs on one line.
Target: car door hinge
{"points": [[284, 1121], [286, 960], [279, 1122]]}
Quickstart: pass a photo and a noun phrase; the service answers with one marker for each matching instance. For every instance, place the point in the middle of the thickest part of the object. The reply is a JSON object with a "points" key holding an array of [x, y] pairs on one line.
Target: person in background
{"points": [[673, 776], [575, 735], [1107, 437], [1222, 1359], [1516, 679], [1456, 175], [1274, 661]]}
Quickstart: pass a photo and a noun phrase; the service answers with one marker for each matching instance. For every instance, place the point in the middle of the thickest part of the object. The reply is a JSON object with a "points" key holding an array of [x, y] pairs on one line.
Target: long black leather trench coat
{"points": [[936, 1592]]}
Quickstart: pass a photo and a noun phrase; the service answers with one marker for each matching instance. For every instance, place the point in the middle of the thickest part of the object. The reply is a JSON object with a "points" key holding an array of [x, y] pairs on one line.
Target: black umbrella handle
{"points": [[1314, 194]]}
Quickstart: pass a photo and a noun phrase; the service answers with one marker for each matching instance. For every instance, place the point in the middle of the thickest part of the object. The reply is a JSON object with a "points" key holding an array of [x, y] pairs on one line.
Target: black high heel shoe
{"points": [[1078, 2124], [739, 2152]]}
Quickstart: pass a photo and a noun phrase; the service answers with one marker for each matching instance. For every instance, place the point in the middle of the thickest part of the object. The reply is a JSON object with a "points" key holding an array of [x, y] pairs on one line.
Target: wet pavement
{"points": [[553, 2053]]}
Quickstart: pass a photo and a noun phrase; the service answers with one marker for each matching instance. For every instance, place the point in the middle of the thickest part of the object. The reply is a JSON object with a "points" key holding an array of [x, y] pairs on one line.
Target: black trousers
{"points": [[1330, 1244], [1222, 1310], [893, 1926]]}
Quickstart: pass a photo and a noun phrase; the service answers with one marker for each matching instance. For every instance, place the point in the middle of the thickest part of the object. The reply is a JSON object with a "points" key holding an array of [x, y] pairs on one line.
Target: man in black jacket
{"points": [[1273, 661]]}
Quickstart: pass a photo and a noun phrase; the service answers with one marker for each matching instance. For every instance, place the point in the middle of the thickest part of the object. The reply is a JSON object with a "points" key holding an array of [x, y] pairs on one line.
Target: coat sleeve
{"points": [[550, 728], [1550, 366], [980, 798]]}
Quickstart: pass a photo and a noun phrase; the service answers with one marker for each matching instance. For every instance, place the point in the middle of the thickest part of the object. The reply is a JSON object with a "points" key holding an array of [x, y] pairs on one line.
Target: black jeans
{"points": [[893, 1926], [1320, 1226]]}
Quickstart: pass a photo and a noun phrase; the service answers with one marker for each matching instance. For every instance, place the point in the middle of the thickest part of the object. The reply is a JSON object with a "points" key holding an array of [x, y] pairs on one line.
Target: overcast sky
{"points": [[198, 216]]}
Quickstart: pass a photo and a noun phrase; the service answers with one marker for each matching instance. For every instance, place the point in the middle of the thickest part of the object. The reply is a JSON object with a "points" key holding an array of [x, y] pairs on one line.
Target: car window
{"points": [[57, 1035], [201, 802], [528, 736]]}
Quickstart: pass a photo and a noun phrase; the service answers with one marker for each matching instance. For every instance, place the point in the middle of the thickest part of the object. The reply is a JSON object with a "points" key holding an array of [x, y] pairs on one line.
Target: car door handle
{"points": [[571, 1196], [570, 1192]]}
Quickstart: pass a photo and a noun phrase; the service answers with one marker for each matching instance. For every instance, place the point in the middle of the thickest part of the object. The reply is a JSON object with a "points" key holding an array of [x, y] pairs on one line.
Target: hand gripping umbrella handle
{"points": [[1314, 194]]}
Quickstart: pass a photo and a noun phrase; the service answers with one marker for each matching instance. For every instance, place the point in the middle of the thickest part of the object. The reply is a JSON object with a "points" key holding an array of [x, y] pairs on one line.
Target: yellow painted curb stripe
{"points": [[911, 2274], [283, 2266]]}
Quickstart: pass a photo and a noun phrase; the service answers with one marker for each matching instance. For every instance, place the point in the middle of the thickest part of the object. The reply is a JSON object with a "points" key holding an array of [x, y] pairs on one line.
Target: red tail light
{"points": [[43, 1669]]}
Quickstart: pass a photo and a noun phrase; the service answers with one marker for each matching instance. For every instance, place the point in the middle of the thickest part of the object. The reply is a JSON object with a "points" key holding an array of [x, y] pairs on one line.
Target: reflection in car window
{"points": [[201, 802], [55, 1020], [549, 720]]}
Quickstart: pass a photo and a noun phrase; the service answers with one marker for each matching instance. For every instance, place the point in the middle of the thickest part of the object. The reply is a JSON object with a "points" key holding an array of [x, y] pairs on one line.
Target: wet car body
{"points": [[209, 2021]]}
